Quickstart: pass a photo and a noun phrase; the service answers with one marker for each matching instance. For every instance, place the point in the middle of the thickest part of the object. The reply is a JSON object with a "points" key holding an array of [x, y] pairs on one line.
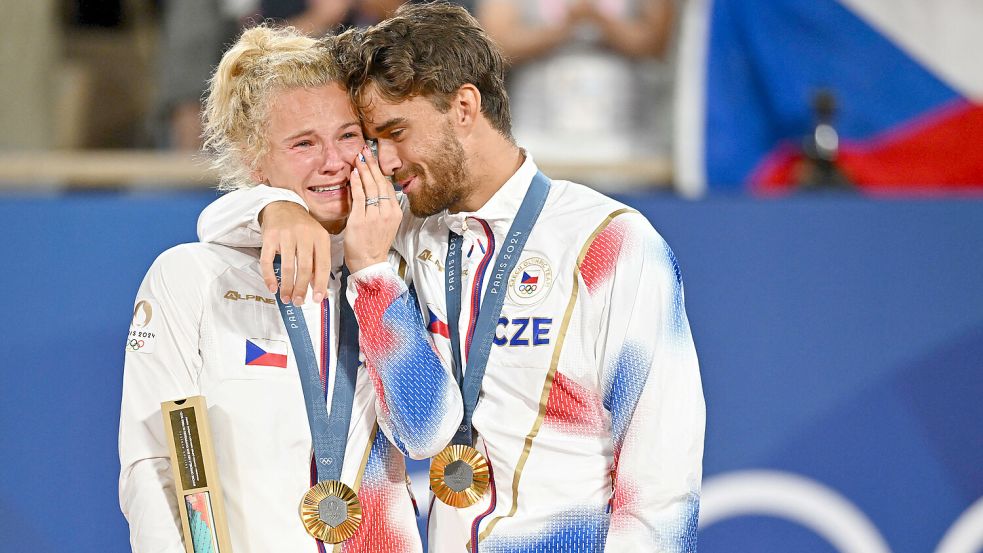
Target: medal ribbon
{"points": [[492, 301], [329, 432]]}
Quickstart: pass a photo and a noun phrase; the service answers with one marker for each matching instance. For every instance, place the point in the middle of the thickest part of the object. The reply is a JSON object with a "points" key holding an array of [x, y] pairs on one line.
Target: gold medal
{"points": [[331, 512], [459, 475]]}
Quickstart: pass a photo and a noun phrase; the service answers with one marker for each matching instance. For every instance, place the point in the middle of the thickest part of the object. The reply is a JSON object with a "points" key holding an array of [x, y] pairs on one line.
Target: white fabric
{"points": [[207, 301]]}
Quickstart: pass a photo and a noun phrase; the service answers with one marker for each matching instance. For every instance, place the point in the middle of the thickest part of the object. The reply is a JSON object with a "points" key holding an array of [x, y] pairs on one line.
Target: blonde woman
{"points": [[206, 324]]}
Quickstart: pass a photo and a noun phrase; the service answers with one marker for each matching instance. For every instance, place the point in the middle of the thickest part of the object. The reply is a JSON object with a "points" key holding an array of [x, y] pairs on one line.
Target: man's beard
{"points": [[447, 182]]}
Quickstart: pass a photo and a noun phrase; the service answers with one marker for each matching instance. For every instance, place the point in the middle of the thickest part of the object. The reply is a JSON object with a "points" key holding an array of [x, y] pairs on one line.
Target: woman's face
{"points": [[313, 136]]}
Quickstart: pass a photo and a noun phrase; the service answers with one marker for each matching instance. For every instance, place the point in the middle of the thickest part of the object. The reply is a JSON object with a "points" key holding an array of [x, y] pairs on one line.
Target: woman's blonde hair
{"points": [[264, 59]]}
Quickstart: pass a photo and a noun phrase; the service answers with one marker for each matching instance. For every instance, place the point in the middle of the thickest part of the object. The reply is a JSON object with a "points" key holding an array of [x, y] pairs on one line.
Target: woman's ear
{"points": [[256, 174]]}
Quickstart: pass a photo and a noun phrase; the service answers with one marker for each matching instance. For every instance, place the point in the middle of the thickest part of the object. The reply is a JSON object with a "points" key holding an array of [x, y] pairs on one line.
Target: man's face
{"points": [[418, 148], [313, 136]]}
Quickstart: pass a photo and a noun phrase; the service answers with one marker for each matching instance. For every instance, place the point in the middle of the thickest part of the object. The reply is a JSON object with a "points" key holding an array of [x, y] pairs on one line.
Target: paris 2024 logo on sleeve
{"points": [[142, 336]]}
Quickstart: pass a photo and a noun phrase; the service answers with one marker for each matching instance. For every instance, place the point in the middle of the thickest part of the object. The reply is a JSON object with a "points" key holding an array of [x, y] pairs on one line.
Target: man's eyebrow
{"points": [[348, 124], [390, 124]]}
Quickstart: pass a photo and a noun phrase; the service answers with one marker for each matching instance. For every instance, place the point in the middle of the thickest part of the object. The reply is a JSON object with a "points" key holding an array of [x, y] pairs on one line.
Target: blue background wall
{"points": [[840, 339]]}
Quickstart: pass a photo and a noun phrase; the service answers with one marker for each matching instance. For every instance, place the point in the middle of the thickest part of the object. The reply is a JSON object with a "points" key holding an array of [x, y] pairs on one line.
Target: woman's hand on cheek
{"points": [[375, 215]]}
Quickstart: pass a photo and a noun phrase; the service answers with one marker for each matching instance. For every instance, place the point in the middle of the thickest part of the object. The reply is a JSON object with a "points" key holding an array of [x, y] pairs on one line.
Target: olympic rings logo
{"points": [[824, 511], [527, 288], [135, 344]]}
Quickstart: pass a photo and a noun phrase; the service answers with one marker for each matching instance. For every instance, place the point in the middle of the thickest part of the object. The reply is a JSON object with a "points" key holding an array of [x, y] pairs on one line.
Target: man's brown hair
{"points": [[427, 50]]}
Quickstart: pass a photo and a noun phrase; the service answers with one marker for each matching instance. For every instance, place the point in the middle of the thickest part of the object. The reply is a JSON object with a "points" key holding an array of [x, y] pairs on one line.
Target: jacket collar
{"points": [[501, 208]]}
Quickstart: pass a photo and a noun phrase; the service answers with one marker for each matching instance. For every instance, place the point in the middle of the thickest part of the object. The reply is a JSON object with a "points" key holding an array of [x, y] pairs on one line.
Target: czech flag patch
{"points": [[266, 353], [437, 326]]}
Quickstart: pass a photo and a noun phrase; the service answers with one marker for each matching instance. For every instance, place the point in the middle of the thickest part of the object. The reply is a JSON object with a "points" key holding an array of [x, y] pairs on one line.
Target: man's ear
{"points": [[466, 106]]}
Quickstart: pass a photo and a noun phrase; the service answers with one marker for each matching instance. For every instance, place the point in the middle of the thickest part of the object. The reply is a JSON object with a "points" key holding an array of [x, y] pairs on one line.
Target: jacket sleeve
{"points": [[418, 401], [651, 387], [162, 362], [233, 219]]}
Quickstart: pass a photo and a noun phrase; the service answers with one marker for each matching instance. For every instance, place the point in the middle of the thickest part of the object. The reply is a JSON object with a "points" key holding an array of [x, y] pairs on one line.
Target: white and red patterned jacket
{"points": [[591, 412]]}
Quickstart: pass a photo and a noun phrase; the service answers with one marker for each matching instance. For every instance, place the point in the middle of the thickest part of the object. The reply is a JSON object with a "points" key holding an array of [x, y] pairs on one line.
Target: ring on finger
{"points": [[384, 197], [371, 201]]}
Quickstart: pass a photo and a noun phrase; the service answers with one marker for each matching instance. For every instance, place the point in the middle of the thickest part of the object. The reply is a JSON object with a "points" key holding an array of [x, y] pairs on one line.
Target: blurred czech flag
{"points": [[907, 77], [436, 326]]}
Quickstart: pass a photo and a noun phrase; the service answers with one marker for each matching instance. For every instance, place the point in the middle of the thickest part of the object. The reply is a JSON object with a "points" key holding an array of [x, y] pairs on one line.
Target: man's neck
{"points": [[490, 165]]}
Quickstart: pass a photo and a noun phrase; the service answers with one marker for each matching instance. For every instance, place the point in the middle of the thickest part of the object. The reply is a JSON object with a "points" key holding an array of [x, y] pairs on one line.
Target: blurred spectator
{"points": [[317, 17], [314, 17], [196, 33], [586, 83]]}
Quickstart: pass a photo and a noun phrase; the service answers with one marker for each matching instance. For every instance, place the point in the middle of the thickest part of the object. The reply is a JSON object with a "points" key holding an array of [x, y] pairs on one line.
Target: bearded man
{"points": [[559, 311]]}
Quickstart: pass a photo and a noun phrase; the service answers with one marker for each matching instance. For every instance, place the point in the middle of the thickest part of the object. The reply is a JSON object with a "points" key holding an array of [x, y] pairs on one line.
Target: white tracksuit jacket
{"points": [[591, 412], [205, 324]]}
